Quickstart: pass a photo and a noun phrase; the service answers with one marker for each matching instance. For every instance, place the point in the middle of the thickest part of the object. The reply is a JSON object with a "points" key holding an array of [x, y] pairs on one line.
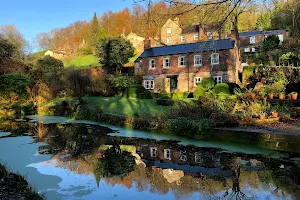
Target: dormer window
{"points": [[169, 30], [196, 36], [252, 40], [169, 40]]}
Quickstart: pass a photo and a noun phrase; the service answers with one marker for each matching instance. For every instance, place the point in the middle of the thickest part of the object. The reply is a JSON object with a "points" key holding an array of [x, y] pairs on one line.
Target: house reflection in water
{"points": [[198, 162]]}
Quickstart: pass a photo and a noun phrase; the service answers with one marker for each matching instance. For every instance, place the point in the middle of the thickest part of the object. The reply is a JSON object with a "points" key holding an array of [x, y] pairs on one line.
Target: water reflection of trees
{"points": [[110, 160]]}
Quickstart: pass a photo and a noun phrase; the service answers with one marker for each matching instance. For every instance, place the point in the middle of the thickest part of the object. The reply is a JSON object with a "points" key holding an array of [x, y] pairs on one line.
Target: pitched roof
{"points": [[211, 45], [254, 33], [190, 29]]}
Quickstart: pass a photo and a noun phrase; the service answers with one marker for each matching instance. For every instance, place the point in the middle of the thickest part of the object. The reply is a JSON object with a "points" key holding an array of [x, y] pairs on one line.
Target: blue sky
{"points": [[35, 16]]}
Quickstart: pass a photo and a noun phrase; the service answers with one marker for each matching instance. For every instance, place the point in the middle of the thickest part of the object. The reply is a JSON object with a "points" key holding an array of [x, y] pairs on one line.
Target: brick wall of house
{"points": [[226, 68], [245, 41]]}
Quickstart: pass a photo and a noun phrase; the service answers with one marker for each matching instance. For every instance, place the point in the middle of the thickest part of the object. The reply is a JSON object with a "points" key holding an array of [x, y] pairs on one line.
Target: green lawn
{"points": [[83, 61], [121, 105]]}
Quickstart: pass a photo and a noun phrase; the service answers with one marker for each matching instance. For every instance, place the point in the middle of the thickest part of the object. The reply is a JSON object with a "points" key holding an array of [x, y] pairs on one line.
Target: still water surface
{"points": [[65, 159]]}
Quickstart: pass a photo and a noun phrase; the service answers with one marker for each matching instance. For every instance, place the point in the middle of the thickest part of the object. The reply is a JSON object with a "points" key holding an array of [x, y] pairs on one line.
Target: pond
{"points": [[65, 159]]}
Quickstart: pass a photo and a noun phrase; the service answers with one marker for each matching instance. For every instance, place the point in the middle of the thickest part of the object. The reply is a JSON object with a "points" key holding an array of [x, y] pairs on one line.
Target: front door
{"points": [[173, 83]]}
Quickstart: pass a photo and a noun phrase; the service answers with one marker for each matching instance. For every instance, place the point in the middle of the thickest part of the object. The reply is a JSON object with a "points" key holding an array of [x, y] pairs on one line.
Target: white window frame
{"points": [[253, 49], [164, 63], [166, 151], [247, 49], [281, 37], [197, 64], [209, 35], [198, 157], [153, 152], [197, 80], [182, 156], [252, 40], [169, 30], [169, 40], [218, 79], [196, 36], [152, 64], [182, 38], [148, 84], [179, 61], [212, 58]]}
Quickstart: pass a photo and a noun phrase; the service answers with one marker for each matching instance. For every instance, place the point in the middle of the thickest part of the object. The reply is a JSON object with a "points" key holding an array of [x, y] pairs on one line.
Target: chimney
{"points": [[202, 36], [147, 43], [234, 31]]}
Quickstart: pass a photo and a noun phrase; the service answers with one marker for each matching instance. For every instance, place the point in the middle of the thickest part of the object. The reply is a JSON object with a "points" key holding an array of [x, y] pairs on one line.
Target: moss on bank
{"points": [[14, 186]]}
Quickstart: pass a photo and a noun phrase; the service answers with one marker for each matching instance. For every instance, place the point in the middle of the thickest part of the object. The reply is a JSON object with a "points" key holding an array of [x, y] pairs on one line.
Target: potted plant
{"points": [[247, 116], [281, 95], [275, 110], [262, 115], [270, 92], [261, 94], [294, 95], [253, 94]]}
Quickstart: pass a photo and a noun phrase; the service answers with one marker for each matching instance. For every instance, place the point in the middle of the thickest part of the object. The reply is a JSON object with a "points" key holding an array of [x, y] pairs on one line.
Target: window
{"points": [[169, 40], [218, 79], [253, 49], [196, 36], [181, 61], [182, 156], [149, 84], [166, 63], [209, 36], [167, 154], [197, 80], [137, 65], [169, 30], [280, 37], [151, 64], [247, 49], [182, 38], [197, 60], [252, 40], [215, 59], [198, 158], [153, 151]]}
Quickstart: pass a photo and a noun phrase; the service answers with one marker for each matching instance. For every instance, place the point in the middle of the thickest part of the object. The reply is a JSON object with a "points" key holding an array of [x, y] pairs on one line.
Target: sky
{"points": [[35, 16]]}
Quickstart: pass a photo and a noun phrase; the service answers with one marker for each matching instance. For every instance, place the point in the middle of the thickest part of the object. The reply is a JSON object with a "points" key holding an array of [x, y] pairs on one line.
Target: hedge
{"points": [[222, 88], [134, 90], [199, 92], [208, 83], [163, 94]]}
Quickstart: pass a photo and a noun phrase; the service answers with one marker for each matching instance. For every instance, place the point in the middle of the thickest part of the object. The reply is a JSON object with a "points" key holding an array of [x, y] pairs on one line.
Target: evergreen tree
{"points": [[95, 32], [113, 53]]}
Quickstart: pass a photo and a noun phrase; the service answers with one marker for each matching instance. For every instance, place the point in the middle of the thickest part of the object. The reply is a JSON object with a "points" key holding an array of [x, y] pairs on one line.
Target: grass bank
{"points": [[14, 186], [142, 114]]}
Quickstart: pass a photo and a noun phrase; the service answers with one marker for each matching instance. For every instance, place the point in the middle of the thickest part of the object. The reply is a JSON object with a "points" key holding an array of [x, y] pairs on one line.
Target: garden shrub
{"points": [[222, 88], [145, 95], [187, 126], [165, 101], [177, 95], [208, 83], [270, 43], [133, 91], [164, 93], [223, 96], [15, 86], [199, 92]]}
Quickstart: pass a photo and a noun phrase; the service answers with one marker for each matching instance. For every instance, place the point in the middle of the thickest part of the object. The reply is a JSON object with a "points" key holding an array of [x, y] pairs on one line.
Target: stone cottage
{"points": [[183, 66], [173, 33]]}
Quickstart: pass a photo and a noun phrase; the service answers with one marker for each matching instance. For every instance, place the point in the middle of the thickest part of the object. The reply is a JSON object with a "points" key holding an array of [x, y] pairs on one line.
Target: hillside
{"points": [[82, 61]]}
